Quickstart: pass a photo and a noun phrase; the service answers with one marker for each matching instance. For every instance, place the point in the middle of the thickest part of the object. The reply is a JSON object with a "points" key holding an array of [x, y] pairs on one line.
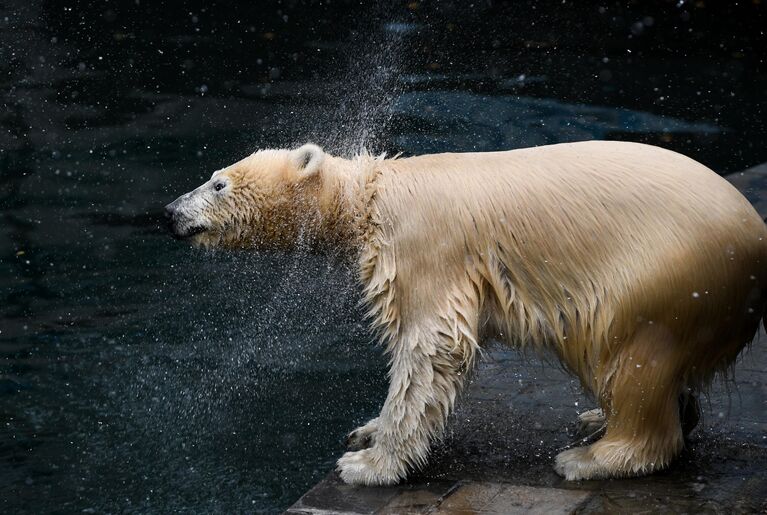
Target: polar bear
{"points": [[642, 270]]}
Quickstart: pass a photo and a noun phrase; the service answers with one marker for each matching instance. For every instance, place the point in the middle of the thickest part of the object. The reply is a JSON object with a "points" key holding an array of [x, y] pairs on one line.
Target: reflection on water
{"points": [[140, 375]]}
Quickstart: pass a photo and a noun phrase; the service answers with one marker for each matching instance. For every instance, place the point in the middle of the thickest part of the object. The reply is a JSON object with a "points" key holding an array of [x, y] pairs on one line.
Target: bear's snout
{"points": [[179, 224], [169, 210], [171, 219]]}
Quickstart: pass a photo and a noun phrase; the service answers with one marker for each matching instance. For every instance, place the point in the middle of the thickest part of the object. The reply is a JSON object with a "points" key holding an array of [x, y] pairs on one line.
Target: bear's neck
{"points": [[345, 202]]}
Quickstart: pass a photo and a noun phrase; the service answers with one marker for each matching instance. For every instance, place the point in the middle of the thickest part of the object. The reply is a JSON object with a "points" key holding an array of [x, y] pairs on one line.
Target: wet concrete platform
{"points": [[520, 411]]}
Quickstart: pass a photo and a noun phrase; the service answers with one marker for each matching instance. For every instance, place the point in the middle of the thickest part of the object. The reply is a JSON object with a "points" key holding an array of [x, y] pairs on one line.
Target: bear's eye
{"points": [[219, 186]]}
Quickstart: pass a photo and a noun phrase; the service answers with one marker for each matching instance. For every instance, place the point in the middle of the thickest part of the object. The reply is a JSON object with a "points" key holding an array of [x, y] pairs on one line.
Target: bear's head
{"points": [[271, 199]]}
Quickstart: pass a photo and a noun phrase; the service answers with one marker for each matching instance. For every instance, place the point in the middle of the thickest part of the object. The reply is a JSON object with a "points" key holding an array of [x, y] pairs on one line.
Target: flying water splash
{"points": [[251, 349], [281, 313], [363, 95]]}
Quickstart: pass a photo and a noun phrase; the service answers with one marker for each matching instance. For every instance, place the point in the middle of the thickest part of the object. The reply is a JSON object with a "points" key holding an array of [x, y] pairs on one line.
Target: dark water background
{"points": [[138, 375]]}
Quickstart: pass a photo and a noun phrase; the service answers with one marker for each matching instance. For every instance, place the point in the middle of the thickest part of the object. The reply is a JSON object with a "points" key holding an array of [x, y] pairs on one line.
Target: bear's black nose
{"points": [[169, 210]]}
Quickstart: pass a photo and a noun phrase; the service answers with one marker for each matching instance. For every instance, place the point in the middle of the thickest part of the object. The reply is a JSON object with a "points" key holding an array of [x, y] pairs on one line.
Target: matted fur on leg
{"points": [[428, 370]]}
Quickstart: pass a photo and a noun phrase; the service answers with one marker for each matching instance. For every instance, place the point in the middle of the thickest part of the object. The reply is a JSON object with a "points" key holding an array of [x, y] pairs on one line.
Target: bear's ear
{"points": [[308, 159]]}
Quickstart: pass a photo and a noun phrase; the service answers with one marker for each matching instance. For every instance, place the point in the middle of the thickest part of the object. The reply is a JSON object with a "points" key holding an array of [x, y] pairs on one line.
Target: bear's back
{"points": [[633, 220], [589, 186]]}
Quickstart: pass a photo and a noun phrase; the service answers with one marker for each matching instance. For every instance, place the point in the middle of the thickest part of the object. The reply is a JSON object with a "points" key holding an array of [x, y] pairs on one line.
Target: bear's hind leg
{"points": [[644, 431]]}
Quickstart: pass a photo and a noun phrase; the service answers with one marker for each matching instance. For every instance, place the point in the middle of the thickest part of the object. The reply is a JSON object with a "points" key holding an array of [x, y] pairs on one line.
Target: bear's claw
{"points": [[591, 421], [363, 437]]}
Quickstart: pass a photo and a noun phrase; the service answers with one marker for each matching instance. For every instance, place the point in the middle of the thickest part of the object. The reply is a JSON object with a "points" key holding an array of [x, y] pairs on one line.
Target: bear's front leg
{"points": [[427, 372]]}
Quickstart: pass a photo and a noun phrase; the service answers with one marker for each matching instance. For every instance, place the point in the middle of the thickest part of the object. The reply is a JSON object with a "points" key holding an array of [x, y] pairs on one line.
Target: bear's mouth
{"points": [[189, 233]]}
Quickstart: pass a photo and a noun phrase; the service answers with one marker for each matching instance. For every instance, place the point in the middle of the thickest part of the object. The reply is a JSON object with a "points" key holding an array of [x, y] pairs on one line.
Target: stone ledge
{"points": [[332, 497]]}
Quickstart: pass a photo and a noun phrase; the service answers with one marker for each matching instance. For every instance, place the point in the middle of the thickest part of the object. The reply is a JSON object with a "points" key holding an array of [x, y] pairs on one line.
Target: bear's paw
{"points": [[366, 468], [576, 464]]}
